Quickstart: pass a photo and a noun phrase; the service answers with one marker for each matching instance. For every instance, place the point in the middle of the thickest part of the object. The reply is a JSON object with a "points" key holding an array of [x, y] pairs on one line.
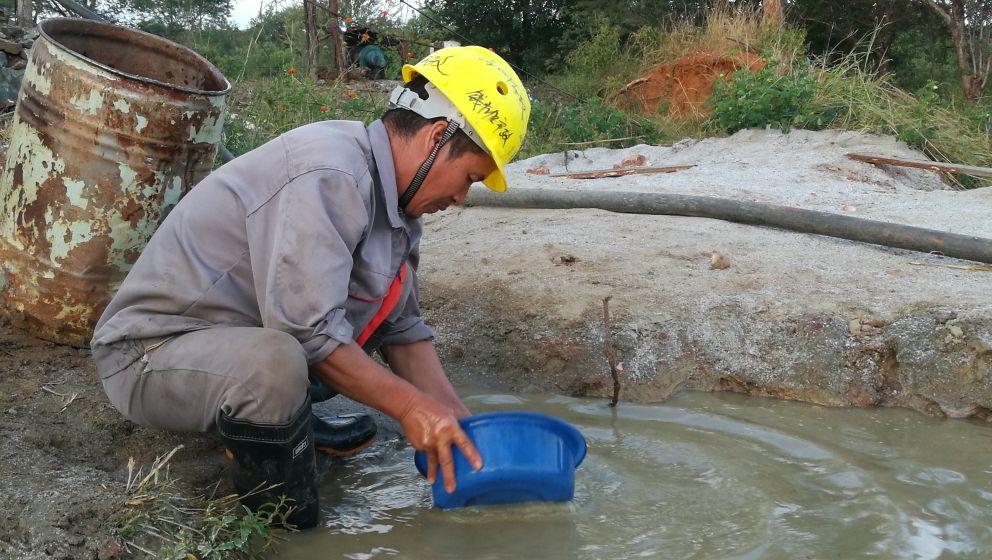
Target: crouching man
{"points": [[271, 282]]}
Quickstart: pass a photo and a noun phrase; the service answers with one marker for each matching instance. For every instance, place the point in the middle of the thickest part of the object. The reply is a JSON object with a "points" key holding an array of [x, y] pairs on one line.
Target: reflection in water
{"points": [[702, 476]]}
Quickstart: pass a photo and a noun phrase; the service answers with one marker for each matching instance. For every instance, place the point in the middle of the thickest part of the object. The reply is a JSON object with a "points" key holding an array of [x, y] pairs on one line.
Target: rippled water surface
{"points": [[702, 476]]}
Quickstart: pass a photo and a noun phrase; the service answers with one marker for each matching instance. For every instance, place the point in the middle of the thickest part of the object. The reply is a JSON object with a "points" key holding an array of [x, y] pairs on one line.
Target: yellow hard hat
{"points": [[487, 92]]}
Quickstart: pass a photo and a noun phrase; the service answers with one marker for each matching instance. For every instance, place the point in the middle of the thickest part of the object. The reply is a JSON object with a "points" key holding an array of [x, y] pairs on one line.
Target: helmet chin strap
{"points": [[418, 178]]}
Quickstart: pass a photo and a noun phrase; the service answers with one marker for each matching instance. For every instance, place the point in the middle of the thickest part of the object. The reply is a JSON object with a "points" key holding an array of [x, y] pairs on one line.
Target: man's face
{"points": [[448, 181]]}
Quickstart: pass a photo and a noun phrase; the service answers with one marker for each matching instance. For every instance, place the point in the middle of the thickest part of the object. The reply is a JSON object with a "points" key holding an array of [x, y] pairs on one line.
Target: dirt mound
{"points": [[679, 87]]}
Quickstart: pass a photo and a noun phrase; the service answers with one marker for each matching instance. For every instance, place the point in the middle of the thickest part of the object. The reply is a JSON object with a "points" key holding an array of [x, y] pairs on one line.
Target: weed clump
{"points": [[160, 521]]}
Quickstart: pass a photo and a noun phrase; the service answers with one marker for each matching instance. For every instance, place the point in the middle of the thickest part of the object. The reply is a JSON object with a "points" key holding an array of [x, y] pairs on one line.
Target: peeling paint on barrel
{"points": [[112, 127]]}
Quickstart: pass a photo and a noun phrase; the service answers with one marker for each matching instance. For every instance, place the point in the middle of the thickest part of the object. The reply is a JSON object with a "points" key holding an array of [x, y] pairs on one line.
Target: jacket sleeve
{"points": [[300, 243], [408, 326]]}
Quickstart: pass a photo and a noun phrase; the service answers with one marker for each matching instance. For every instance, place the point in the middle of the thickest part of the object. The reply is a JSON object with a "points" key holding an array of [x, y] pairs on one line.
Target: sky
{"points": [[244, 11]]}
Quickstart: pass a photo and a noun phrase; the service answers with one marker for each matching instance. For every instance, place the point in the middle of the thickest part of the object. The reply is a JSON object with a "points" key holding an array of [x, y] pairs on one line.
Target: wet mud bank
{"points": [[936, 360]]}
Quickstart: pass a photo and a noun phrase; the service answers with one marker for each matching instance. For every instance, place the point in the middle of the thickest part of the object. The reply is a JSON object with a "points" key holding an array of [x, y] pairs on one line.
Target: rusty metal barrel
{"points": [[112, 127]]}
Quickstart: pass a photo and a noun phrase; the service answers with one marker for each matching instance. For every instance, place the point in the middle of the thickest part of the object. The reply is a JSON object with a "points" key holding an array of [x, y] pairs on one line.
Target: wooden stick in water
{"points": [[611, 356]]}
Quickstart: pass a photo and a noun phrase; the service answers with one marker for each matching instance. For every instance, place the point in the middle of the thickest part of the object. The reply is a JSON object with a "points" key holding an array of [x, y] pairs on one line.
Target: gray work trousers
{"points": [[180, 383]]}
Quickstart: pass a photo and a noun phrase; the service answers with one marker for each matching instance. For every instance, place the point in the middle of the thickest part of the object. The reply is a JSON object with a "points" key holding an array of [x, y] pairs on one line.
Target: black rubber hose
{"points": [[753, 213]]}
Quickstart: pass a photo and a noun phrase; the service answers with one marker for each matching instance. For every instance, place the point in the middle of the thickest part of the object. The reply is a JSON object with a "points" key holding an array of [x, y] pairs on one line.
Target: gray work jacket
{"points": [[302, 234]]}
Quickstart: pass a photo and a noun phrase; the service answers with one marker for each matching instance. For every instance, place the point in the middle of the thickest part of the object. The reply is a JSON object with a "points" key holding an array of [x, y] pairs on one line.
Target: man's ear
{"points": [[437, 132]]}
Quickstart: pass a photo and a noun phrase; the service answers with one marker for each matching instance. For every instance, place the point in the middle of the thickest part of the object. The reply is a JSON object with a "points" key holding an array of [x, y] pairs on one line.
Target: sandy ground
{"points": [[803, 169]]}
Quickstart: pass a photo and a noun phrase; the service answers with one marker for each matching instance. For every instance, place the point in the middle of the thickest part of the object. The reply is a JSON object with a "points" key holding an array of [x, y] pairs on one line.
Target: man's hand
{"points": [[433, 429]]}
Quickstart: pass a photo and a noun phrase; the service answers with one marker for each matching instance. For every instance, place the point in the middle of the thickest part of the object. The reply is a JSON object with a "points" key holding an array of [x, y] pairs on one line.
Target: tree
{"points": [[25, 15], [970, 24], [771, 12], [539, 34], [171, 18], [523, 31]]}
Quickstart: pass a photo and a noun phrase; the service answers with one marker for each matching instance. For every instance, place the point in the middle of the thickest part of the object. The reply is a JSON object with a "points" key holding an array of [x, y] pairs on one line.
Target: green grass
{"points": [[160, 520], [263, 108], [943, 129]]}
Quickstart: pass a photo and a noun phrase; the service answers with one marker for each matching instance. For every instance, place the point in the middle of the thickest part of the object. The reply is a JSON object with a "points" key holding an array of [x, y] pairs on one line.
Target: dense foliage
{"points": [[888, 67]]}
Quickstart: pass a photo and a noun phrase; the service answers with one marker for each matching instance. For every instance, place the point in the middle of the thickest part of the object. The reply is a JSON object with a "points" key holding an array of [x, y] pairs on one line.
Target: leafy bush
{"points": [[762, 98], [599, 64]]}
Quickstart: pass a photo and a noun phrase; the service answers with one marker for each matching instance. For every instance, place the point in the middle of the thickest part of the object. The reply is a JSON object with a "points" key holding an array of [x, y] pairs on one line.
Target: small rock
{"points": [[867, 328], [854, 326], [718, 261], [955, 331], [565, 259], [849, 208], [10, 47], [110, 551], [539, 171], [632, 161], [942, 316], [962, 411]]}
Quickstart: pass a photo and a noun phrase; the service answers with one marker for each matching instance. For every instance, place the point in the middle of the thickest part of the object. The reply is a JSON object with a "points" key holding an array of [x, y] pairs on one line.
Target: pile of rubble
{"points": [[15, 42]]}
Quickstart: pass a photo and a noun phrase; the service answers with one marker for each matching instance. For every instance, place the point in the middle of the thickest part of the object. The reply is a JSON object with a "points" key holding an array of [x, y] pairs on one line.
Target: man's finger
{"points": [[431, 466], [447, 466], [468, 449]]}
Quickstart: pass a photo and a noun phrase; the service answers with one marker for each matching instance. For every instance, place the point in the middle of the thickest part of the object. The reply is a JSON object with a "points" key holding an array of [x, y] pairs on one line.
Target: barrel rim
{"points": [[210, 66]]}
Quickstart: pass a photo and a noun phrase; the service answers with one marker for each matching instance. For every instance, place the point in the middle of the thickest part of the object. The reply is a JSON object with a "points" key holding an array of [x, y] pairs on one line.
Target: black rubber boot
{"points": [[343, 434], [267, 454]]}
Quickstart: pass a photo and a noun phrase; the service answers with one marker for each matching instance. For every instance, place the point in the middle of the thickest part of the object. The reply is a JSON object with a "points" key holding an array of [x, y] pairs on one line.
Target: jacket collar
{"points": [[383, 155]]}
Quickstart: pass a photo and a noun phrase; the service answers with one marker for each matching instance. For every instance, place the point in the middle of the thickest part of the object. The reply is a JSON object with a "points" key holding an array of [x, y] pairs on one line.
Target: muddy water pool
{"points": [[701, 476]]}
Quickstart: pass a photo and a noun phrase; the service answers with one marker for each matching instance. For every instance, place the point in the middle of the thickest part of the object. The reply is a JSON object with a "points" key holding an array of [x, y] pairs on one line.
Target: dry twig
{"points": [[611, 356], [66, 399], [603, 141], [937, 166], [604, 173]]}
